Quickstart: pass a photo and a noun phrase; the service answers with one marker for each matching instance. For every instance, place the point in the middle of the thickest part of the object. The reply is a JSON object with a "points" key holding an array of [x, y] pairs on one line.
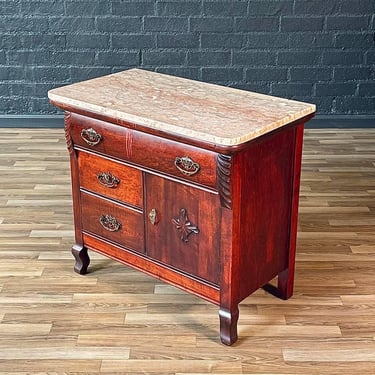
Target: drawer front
{"points": [[112, 221], [110, 178], [99, 136], [175, 159], [151, 152]]}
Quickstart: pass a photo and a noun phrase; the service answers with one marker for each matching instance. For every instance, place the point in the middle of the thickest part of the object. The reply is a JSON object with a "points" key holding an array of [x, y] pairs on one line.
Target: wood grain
{"points": [[117, 320]]}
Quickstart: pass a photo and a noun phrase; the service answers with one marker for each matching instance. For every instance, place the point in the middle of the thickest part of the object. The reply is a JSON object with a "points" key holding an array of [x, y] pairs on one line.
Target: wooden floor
{"points": [[116, 320]]}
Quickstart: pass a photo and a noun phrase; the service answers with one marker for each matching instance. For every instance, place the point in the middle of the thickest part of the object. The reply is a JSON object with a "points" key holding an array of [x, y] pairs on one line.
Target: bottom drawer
{"points": [[112, 221]]}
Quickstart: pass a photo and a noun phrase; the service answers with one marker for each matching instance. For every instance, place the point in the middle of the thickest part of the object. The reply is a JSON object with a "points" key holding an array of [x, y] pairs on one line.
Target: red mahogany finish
{"points": [[110, 179], [129, 145], [217, 221]]}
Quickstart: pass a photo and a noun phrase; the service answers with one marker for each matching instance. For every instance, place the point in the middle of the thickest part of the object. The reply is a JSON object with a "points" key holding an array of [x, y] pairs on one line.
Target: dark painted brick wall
{"points": [[320, 51]]}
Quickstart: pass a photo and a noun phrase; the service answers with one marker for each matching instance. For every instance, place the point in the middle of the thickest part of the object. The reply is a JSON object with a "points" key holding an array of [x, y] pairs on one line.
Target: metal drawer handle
{"points": [[110, 223], [91, 137], [186, 165], [107, 179]]}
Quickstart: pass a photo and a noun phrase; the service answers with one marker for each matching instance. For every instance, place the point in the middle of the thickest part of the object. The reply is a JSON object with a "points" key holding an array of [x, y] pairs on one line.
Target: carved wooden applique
{"points": [[184, 226], [67, 123], [223, 172]]}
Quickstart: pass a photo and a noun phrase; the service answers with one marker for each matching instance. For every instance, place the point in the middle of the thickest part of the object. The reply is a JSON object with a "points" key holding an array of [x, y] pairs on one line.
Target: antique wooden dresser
{"points": [[193, 183]]}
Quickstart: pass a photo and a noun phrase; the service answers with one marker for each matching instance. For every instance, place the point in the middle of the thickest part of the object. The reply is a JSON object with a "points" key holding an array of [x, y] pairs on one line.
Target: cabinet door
{"points": [[183, 227]]}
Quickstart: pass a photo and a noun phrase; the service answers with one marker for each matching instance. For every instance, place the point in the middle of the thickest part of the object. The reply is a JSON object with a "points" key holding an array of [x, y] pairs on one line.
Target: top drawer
{"points": [[148, 151], [99, 135]]}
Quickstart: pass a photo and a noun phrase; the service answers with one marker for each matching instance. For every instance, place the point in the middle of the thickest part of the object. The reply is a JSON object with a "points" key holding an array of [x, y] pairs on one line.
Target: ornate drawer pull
{"points": [[108, 179], [91, 137], [186, 166], [110, 223]]}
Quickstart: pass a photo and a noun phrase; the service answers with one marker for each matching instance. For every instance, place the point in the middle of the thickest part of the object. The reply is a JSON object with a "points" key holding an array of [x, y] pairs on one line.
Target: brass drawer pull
{"points": [[110, 223], [91, 137], [107, 179], [186, 166]]}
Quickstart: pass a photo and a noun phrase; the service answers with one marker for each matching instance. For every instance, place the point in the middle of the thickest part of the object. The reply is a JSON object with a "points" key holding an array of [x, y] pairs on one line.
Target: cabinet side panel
{"points": [[266, 190]]}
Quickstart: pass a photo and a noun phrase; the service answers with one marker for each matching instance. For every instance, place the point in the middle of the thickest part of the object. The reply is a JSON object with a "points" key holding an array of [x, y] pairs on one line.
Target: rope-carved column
{"points": [[224, 163]]}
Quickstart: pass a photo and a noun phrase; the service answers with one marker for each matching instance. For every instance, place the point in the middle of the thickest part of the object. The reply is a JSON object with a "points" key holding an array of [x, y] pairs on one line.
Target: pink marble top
{"points": [[202, 111]]}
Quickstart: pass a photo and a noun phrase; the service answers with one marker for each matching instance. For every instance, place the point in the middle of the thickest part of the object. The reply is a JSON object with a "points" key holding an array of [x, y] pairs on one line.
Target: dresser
{"points": [[193, 183]]}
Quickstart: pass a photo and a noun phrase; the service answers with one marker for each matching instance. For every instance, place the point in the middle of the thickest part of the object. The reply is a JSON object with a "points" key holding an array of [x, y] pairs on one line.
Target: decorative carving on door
{"points": [[184, 226]]}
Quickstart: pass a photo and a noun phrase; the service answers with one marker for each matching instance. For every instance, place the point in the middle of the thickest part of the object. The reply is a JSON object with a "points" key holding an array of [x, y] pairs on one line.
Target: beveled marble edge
{"points": [[166, 127], [252, 132]]}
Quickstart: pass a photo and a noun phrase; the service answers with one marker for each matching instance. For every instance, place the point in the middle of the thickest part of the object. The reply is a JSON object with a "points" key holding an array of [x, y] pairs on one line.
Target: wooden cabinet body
{"points": [[218, 221]]}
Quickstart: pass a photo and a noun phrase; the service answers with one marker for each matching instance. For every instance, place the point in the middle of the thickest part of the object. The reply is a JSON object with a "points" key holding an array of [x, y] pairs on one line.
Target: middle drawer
{"points": [[110, 178]]}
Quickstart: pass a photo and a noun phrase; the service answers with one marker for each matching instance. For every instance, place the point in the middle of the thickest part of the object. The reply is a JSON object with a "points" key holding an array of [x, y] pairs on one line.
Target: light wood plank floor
{"points": [[116, 321]]}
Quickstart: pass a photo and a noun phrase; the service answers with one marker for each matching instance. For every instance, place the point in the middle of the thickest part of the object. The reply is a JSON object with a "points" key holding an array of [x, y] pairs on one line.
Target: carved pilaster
{"points": [[68, 138], [224, 163]]}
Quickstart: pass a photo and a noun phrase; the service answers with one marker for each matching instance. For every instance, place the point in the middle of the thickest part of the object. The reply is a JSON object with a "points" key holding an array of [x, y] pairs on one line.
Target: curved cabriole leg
{"points": [[228, 325], [82, 259]]}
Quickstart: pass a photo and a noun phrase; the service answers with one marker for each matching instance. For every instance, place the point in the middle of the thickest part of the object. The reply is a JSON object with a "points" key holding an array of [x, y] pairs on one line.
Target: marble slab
{"points": [[193, 109]]}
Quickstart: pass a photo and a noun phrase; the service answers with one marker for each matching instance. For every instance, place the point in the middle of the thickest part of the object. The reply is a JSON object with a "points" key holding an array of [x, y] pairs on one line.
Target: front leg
{"points": [[82, 259], [228, 325]]}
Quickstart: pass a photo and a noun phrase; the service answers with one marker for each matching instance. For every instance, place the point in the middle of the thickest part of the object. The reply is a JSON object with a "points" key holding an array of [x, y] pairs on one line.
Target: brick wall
{"points": [[320, 51]]}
